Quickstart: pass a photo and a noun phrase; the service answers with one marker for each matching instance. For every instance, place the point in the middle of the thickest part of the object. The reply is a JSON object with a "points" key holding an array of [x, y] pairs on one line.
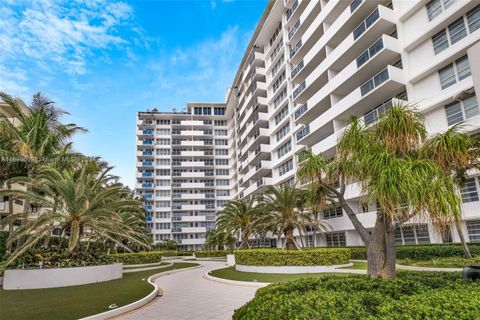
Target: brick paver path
{"points": [[187, 295]]}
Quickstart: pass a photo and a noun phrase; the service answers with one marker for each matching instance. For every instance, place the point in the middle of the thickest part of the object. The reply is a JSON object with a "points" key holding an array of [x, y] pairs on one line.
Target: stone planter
{"points": [[18, 279]]}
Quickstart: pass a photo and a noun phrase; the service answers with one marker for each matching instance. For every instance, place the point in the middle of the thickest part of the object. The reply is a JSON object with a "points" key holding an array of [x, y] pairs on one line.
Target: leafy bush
{"points": [[60, 259], [413, 295], [423, 252], [168, 245], [275, 257], [184, 253], [212, 253], [142, 257]]}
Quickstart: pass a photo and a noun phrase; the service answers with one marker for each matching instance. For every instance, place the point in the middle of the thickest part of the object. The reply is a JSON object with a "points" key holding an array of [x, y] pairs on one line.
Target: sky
{"points": [[102, 61]]}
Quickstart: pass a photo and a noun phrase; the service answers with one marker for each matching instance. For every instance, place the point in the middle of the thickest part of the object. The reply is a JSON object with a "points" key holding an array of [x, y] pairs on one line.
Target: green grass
{"points": [[231, 274], [450, 262], [77, 301]]}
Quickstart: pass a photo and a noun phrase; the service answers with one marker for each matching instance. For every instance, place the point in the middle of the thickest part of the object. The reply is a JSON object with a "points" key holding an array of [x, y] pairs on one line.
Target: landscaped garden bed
{"points": [[213, 253], [78, 301], [142, 257], [413, 295]]}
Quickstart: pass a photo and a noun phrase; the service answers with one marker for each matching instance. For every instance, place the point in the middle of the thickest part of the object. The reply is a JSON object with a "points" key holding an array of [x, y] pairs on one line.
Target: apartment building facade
{"points": [[311, 65]]}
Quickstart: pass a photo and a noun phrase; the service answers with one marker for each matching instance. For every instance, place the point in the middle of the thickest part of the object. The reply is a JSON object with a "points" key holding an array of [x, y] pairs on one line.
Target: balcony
{"points": [[292, 10], [147, 196], [365, 24], [147, 185], [301, 110], [148, 207], [374, 82]]}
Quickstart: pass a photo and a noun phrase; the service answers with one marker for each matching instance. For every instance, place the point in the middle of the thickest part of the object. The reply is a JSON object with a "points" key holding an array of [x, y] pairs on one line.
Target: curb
{"points": [[129, 270], [157, 291], [235, 282]]}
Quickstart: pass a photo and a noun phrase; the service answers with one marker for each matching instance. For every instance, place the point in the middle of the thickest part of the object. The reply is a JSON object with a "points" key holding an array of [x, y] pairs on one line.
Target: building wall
{"points": [[311, 65]]}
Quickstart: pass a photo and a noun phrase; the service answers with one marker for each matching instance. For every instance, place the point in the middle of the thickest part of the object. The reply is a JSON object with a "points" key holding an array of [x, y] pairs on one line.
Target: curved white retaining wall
{"points": [[59, 277], [290, 269]]}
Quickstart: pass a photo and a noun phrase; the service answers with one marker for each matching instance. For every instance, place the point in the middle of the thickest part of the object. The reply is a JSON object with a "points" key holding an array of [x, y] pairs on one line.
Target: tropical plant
{"points": [[394, 170], [237, 218], [168, 245], [219, 239], [83, 204], [283, 211]]}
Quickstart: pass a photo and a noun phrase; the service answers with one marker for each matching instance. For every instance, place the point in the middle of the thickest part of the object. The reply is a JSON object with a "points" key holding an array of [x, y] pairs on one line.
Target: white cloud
{"points": [[54, 35]]}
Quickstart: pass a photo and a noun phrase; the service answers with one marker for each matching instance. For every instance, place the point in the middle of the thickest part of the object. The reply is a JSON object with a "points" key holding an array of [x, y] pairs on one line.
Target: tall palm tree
{"points": [[83, 204], [36, 137], [238, 217], [394, 171], [283, 211]]}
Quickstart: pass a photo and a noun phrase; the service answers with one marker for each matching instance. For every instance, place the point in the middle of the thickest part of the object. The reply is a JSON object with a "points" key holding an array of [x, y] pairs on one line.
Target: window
{"points": [[163, 162], [221, 162], [469, 191], [279, 81], [221, 203], [162, 183], [221, 142], [163, 172], [449, 74], [336, 239], [285, 167], [162, 193], [280, 98], [332, 213], [163, 142], [370, 52], [162, 204], [278, 65], [412, 234], [473, 228], [462, 110], [221, 152], [221, 132], [473, 19], [457, 30], [435, 7], [218, 111], [374, 82], [283, 131], [162, 226], [160, 121], [163, 132], [220, 123], [303, 132], [222, 182], [284, 149], [440, 41], [163, 152], [223, 193], [222, 172], [280, 116]]}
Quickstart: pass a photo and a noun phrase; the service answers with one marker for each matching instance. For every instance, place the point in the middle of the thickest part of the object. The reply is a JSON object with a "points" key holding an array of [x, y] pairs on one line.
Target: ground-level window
{"points": [[336, 239], [412, 234], [473, 228], [469, 191]]}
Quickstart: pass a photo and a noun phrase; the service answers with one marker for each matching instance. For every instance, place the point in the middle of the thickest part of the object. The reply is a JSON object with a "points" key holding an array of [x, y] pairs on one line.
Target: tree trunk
{"points": [[244, 244], [466, 250], [10, 222], [289, 242], [381, 252]]}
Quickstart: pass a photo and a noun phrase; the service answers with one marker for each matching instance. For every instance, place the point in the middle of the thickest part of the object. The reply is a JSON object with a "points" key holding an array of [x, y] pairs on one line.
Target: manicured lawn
{"points": [[357, 266], [450, 262], [231, 274], [77, 301]]}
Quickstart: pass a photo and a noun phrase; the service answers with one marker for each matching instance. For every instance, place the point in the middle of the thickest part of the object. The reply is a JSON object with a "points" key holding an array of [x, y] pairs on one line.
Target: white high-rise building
{"points": [[311, 65]]}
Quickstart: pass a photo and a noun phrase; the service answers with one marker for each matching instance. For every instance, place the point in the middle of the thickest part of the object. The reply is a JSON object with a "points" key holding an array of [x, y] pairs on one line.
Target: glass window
{"points": [[457, 30], [463, 68], [454, 113], [440, 42], [473, 18], [469, 191], [473, 228], [434, 8], [332, 213], [447, 76], [336, 239], [470, 106]]}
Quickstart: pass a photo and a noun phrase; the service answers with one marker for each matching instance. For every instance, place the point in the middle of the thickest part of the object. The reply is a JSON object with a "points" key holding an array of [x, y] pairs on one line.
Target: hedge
{"points": [[142, 257], [275, 257], [3, 244], [60, 259], [212, 253], [423, 251], [413, 295]]}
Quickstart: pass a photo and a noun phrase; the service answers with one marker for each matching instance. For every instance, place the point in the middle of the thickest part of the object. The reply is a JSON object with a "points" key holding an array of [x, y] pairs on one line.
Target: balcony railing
{"points": [[148, 207], [302, 133], [303, 108], [147, 164], [297, 69], [147, 196], [374, 82], [147, 153], [365, 24], [374, 114], [147, 142], [147, 132], [146, 185], [293, 29], [299, 90], [354, 5], [369, 53], [295, 48], [291, 11], [147, 174]]}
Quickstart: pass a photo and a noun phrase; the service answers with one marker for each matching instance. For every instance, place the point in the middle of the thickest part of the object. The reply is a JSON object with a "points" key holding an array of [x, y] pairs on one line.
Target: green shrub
{"points": [[413, 295], [212, 253], [184, 253], [142, 257], [423, 251], [275, 257], [3, 244], [60, 259]]}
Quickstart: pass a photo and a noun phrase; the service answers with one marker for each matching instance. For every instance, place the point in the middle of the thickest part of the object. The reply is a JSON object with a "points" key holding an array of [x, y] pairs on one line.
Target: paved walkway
{"points": [[187, 295]]}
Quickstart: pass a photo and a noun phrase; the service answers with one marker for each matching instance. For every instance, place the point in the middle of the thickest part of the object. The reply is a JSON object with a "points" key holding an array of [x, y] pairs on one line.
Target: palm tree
{"points": [[84, 205], [283, 211], [388, 160], [238, 217], [219, 239], [37, 137]]}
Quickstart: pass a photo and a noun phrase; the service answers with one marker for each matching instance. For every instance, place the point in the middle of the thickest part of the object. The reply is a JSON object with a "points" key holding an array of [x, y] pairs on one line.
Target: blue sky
{"points": [[104, 60]]}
